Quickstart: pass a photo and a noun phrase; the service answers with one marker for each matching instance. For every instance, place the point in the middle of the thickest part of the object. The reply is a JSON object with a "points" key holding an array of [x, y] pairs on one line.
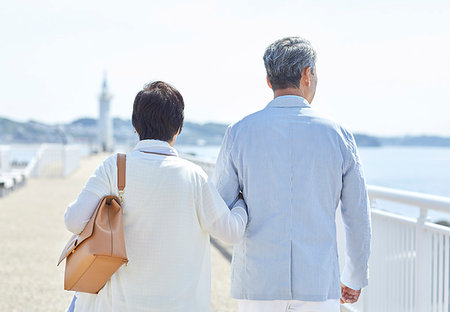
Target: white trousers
{"points": [[331, 305]]}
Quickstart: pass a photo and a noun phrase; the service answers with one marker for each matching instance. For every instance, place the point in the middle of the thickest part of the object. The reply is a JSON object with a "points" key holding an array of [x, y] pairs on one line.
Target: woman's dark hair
{"points": [[158, 112]]}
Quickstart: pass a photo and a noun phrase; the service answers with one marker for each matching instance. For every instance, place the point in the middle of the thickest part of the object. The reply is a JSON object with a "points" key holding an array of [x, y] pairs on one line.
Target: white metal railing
{"points": [[19, 162], [56, 160], [50, 160], [409, 263]]}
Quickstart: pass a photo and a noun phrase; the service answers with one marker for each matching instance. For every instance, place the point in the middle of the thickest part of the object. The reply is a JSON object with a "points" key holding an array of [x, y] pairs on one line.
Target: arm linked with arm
{"points": [[356, 217], [230, 227], [217, 219]]}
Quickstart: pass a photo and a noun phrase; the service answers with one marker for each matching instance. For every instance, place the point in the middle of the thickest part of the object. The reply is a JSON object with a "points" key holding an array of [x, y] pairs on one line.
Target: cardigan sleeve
{"points": [[217, 219], [79, 212]]}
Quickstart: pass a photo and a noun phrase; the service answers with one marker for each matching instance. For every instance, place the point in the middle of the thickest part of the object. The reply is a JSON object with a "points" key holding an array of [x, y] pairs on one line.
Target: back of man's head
{"points": [[285, 60]]}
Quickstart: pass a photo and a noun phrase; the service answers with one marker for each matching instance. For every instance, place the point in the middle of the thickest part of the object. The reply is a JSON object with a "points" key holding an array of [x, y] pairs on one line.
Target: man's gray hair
{"points": [[285, 60]]}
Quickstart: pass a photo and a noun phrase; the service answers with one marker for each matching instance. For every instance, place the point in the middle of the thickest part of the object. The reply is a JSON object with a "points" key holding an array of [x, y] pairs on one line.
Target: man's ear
{"points": [[268, 82], [306, 76]]}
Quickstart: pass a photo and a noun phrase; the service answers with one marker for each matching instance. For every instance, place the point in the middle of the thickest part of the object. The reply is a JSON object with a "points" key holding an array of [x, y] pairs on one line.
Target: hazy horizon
{"points": [[224, 123], [383, 67]]}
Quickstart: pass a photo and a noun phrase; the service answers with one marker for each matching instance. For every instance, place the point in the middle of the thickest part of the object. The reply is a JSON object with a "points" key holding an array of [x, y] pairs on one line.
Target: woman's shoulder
{"points": [[110, 162], [191, 168], [182, 166], [107, 169]]}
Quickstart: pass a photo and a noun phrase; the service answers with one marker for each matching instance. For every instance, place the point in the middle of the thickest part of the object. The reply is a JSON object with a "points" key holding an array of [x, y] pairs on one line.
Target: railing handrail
{"points": [[427, 201], [421, 200]]}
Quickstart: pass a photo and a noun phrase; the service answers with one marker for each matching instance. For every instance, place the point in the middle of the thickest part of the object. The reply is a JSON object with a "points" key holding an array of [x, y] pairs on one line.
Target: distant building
{"points": [[105, 124]]}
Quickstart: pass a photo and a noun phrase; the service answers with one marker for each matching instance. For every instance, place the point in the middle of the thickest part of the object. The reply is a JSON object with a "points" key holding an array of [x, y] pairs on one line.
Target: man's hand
{"points": [[349, 295]]}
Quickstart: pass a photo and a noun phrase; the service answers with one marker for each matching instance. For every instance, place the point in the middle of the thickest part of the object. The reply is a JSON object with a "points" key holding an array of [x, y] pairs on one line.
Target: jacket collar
{"points": [[289, 101], [155, 146]]}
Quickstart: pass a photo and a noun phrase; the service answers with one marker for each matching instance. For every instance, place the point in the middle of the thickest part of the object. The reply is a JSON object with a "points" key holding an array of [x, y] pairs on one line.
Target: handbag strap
{"points": [[121, 174]]}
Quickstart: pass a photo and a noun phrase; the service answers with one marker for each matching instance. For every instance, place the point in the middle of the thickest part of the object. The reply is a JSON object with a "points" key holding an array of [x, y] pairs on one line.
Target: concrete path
{"points": [[32, 235]]}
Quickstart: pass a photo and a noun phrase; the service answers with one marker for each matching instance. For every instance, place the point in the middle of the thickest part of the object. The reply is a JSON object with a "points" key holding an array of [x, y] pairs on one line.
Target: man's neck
{"points": [[287, 91]]}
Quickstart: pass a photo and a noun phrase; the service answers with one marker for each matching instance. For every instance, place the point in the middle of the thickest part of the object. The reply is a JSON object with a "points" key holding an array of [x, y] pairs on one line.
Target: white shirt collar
{"points": [[155, 146]]}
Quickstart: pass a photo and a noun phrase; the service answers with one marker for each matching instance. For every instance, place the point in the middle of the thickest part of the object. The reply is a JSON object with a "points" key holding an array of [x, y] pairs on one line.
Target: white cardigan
{"points": [[170, 208]]}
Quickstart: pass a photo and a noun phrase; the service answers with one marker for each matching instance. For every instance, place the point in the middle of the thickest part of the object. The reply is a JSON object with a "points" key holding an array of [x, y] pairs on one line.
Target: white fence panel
{"points": [[71, 161], [55, 160]]}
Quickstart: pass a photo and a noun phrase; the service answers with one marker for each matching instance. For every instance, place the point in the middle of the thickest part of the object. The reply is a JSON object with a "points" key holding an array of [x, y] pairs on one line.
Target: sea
{"points": [[416, 169]]}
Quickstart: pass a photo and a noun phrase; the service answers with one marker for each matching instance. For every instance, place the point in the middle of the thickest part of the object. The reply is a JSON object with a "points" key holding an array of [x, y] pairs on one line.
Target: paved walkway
{"points": [[32, 235]]}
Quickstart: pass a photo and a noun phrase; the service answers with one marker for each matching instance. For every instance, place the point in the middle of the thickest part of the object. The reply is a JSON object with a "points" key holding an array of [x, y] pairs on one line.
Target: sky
{"points": [[383, 66]]}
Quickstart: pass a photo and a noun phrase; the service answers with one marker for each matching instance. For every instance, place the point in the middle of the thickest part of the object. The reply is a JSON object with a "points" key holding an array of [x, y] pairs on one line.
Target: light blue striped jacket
{"points": [[293, 167]]}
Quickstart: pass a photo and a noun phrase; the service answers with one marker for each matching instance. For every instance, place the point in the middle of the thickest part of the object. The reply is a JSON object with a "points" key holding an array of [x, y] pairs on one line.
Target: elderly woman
{"points": [[170, 208]]}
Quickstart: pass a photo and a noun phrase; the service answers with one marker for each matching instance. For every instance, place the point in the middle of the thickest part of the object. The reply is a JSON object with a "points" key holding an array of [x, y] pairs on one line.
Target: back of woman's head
{"points": [[158, 112]]}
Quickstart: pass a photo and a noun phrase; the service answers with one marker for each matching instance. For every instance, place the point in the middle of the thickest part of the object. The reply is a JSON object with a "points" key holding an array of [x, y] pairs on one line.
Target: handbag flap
{"points": [[68, 248], [76, 240]]}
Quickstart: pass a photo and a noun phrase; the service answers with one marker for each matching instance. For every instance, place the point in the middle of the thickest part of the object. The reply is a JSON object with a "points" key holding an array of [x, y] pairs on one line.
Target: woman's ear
{"points": [[172, 142]]}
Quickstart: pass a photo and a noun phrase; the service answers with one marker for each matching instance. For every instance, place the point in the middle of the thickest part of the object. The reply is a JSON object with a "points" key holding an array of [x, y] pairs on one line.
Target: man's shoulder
{"points": [[320, 125], [247, 121], [329, 123], [317, 118]]}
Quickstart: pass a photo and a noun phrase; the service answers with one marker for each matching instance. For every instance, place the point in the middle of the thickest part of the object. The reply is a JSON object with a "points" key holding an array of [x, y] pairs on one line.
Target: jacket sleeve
{"points": [[225, 175], [356, 218]]}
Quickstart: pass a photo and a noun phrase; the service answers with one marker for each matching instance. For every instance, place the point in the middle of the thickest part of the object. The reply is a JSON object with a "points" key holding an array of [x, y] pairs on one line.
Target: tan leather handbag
{"points": [[93, 256]]}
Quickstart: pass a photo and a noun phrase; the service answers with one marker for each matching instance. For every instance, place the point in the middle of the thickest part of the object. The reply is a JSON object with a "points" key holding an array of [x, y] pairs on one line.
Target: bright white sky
{"points": [[383, 66]]}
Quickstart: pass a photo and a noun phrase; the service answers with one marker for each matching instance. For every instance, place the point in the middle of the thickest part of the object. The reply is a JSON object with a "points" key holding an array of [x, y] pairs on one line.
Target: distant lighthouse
{"points": [[105, 125]]}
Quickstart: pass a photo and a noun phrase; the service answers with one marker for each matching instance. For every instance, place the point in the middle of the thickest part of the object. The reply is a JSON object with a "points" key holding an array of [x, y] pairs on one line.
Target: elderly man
{"points": [[293, 167]]}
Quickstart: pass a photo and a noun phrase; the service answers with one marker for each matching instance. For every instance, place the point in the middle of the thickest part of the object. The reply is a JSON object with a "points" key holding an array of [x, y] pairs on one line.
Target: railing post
{"points": [[64, 161], [422, 286], [367, 292]]}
